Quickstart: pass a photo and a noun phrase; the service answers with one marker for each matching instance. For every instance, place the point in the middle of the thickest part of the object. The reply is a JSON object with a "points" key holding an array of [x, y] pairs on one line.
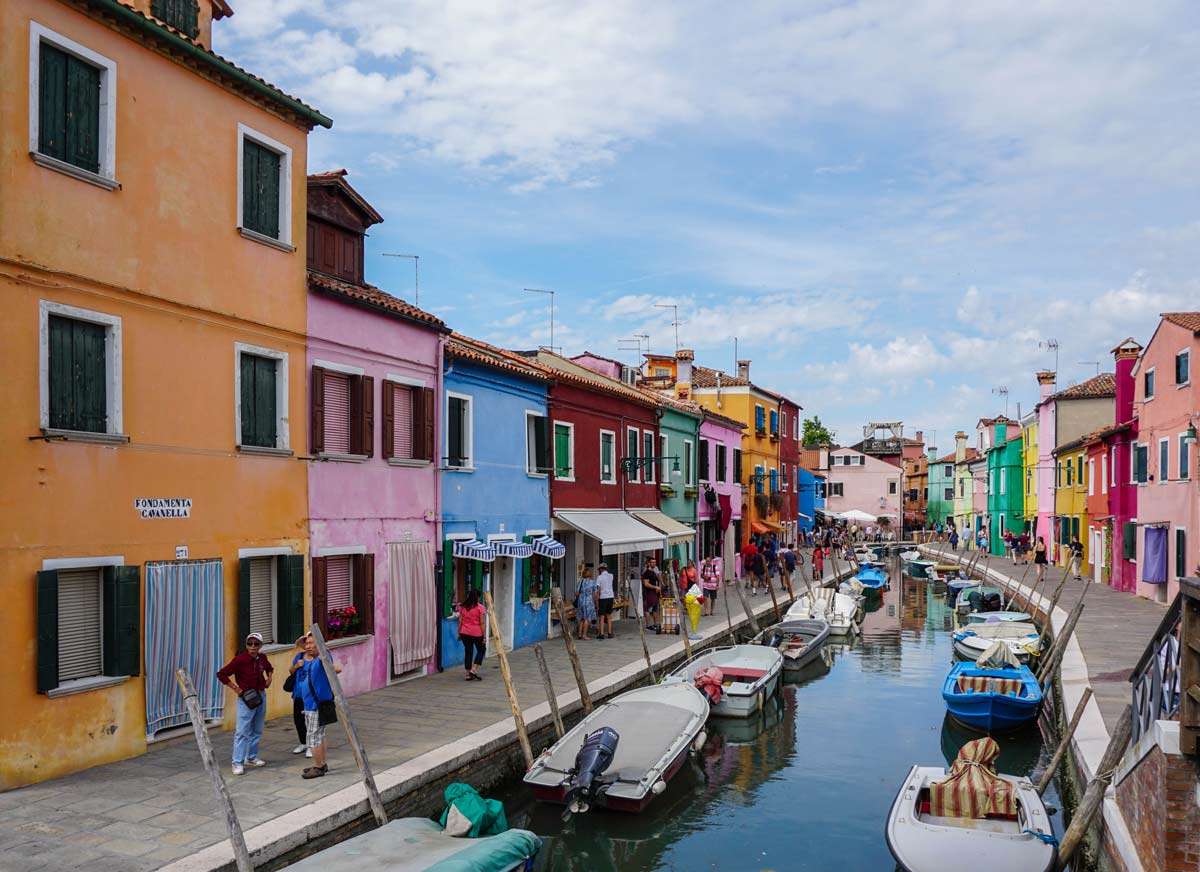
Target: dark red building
{"points": [[789, 467]]}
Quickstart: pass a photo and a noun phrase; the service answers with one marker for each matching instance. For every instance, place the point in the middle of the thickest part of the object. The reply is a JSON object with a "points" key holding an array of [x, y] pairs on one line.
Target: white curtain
{"points": [[412, 604]]}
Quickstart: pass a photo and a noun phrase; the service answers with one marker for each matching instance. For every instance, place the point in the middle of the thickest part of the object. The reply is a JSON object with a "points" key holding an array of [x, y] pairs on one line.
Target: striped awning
{"points": [[473, 549], [548, 547], [512, 549]]}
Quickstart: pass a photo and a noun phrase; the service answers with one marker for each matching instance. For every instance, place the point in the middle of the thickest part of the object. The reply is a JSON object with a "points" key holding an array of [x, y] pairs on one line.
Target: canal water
{"points": [[808, 784]]}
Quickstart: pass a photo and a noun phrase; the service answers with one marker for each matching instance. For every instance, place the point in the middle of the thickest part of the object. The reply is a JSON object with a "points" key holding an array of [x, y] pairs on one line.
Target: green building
{"points": [[940, 508], [1005, 484]]}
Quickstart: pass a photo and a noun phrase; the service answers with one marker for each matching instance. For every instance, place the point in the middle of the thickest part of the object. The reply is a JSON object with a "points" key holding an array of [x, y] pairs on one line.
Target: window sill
{"points": [[342, 458], [458, 469], [265, 451], [83, 685], [255, 236], [401, 461], [61, 166], [537, 474], [276, 647], [83, 436], [348, 640]]}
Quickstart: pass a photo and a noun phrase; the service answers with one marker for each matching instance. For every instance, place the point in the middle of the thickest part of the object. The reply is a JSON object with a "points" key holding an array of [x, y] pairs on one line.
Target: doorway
{"points": [[1097, 555], [503, 595]]}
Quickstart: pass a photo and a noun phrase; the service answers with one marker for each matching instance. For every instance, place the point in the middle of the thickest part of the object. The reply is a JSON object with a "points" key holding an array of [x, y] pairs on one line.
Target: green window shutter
{"points": [[243, 600], [183, 15], [78, 393], [562, 451], [1129, 540], [541, 445], [1180, 553], [247, 400], [52, 101], [83, 115], [289, 597], [527, 573], [447, 578], [47, 630], [122, 620], [1075, 527], [259, 422], [477, 573], [260, 189]]}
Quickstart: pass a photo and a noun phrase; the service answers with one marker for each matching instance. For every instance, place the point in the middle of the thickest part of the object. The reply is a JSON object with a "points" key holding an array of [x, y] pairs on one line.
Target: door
{"points": [[503, 595], [1098, 555], [412, 606]]}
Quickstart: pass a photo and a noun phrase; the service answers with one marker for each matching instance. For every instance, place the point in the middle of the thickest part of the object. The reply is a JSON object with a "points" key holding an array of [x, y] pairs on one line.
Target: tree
{"points": [[815, 433]]}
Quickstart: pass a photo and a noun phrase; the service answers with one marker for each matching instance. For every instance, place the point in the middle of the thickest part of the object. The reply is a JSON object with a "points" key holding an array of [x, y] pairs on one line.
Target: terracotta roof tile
{"points": [[1097, 387], [565, 370], [373, 297], [1186, 320], [703, 377], [478, 351], [724, 419]]}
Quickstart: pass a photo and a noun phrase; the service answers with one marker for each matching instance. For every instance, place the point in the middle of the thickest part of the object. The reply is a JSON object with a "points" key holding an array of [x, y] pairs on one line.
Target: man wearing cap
{"points": [[249, 675]]}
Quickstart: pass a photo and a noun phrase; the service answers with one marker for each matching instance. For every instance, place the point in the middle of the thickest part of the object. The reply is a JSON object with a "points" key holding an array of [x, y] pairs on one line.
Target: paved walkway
{"points": [[146, 811], [1113, 630]]}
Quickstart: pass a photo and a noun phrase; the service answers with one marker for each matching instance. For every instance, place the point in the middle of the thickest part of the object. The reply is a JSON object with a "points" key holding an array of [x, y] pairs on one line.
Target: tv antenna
{"points": [[1094, 363], [416, 259], [675, 322], [1002, 390], [551, 295], [1051, 345]]}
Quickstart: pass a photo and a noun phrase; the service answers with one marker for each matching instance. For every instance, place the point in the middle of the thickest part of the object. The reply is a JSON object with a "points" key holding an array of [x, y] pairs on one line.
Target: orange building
{"points": [[153, 341]]}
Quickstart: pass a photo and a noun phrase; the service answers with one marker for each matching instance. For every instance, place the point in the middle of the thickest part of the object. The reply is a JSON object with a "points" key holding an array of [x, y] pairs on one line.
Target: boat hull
{"points": [[987, 711], [755, 670]]}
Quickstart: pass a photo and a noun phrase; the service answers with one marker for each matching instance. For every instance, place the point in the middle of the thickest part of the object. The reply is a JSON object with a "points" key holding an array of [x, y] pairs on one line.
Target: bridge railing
{"points": [[1166, 680]]}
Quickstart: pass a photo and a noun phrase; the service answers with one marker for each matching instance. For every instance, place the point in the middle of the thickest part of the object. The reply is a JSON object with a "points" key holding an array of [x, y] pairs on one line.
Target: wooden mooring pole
{"points": [[679, 604], [755, 629], [550, 697], [1064, 743], [518, 718], [241, 854], [585, 698], [1046, 671], [774, 600], [1094, 795], [343, 711]]}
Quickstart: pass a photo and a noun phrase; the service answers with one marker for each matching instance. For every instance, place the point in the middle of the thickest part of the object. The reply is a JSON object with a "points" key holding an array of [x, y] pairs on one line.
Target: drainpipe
{"points": [[438, 525]]}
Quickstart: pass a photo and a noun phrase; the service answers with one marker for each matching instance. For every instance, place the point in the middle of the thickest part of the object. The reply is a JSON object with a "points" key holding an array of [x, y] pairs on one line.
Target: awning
{"points": [[765, 527], [617, 532], [548, 547], [513, 549], [676, 531], [473, 549], [804, 516]]}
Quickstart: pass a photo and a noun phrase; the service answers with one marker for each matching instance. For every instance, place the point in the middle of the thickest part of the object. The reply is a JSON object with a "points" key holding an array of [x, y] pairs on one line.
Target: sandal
{"points": [[315, 771]]}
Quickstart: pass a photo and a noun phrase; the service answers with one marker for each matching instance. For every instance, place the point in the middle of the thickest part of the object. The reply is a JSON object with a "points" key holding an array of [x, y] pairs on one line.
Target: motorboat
{"points": [[910, 556], [748, 674], [799, 641], [920, 568], [623, 754], [1021, 639], [839, 610], [985, 819], [872, 578], [996, 617], [417, 844], [956, 585], [992, 699]]}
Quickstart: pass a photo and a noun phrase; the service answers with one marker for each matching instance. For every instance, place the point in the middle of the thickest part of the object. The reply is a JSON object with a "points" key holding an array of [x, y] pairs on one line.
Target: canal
{"points": [[808, 784]]}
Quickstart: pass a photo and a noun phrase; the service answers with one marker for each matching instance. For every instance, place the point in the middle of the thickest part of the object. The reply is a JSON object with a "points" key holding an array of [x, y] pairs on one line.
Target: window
{"points": [[962, 488], [537, 575], [564, 451], [783, 423], [1058, 476], [1091, 477], [891, 488], [607, 472], [689, 463], [758, 479], [925, 494], [264, 188], [1185, 459], [1129, 540], [648, 451], [1079, 470], [948, 470], [664, 450], [537, 445], [261, 411], [1113, 465], [1070, 469], [722, 458], [1148, 384], [1141, 463], [737, 464], [408, 419], [1029, 481], [87, 624], [833, 489], [1164, 459], [948, 494], [631, 454], [80, 368], [773, 478], [1103, 473], [775, 423], [1003, 478], [341, 581], [661, 371], [72, 117], [760, 420], [459, 438], [271, 597], [1180, 552], [183, 15], [342, 412], [1183, 367]]}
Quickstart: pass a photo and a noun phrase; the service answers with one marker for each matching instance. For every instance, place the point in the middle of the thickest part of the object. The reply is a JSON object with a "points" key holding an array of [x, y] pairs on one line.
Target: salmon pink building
{"points": [[720, 487]]}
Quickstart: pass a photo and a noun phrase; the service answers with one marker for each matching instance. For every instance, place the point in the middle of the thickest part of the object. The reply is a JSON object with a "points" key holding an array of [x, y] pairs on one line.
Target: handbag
{"points": [[289, 683], [327, 713], [252, 697]]}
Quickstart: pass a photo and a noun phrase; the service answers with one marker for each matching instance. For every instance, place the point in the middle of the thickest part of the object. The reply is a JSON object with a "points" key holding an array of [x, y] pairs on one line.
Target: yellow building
{"points": [[152, 267], [1070, 499], [1030, 471]]}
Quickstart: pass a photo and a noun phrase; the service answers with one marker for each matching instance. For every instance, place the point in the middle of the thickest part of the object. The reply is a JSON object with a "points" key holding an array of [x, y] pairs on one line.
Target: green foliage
{"points": [[815, 433]]}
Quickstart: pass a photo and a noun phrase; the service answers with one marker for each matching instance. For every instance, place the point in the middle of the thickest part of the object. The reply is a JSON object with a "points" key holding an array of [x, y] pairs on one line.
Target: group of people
{"points": [[764, 560]]}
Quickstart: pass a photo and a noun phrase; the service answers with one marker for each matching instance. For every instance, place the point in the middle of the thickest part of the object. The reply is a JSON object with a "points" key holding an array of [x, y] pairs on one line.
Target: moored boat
{"points": [[799, 641], [748, 674], [1022, 639], [839, 610], [997, 617], [654, 728], [872, 578], [919, 568], [992, 699]]}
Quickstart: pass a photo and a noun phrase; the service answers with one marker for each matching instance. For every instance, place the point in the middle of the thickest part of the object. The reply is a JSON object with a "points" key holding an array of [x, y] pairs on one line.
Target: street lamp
{"points": [[629, 464]]}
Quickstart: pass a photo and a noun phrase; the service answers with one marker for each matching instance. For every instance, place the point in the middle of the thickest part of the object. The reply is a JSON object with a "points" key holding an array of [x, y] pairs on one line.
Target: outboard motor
{"points": [[775, 640], [991, 602], [596, 755]]}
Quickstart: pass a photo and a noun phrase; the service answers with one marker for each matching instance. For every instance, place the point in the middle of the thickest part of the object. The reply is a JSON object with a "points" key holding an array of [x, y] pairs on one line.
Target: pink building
{"points": [[860, 483], [721, 438], [1047, 442], [1164, 460], [374, 364]]}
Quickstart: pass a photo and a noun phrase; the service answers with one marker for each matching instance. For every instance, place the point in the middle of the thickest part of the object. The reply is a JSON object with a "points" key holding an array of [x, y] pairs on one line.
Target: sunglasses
{"points": [[253, 644]]}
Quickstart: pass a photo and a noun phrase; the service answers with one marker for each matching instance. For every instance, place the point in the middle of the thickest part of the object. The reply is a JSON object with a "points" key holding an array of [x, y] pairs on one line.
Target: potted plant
{"points": [[342, 622], [776, 502], [761, 504]]}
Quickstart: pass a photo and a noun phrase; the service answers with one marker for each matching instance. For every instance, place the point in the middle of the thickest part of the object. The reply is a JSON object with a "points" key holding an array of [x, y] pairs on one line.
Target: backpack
{"points": [[789, 559]]}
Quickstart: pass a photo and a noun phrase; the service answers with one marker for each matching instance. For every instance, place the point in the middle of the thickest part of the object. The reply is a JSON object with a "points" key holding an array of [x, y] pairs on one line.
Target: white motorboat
{"points": [[799, 641], [623, 754], [910, 556], [839, 610], [750, 674], [1022, 639]]}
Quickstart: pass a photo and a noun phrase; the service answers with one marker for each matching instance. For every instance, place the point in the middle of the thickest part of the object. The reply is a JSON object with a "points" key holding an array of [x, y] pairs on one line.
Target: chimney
{"points": [[960, 447], [744, 369], [920, 437], [1126, 355], [1046, 382], [683, 372]]}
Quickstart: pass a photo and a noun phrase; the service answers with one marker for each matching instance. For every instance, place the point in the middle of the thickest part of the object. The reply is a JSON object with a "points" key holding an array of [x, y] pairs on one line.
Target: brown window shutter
{"points": [[310, 246], [364, 591], [316, 401], [423, 429], [388, 429], [366, 417], [320, 595]]}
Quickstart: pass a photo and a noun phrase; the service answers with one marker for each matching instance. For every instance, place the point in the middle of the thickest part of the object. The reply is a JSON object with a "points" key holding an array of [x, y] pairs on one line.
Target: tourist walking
{"points": [[604, 602], [471, 617], [787, 567], [289, 686], [953, 539], [651, 591], [248, 675], [818, 564], [1039, 558], [316, 694], [749, 552], [1075, 562], [758, 574], [710, 582], [1023, 548], [587, 603]]}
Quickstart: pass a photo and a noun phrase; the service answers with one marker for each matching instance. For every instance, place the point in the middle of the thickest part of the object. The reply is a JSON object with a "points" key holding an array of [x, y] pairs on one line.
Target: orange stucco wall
{"points": [[163, 254]]}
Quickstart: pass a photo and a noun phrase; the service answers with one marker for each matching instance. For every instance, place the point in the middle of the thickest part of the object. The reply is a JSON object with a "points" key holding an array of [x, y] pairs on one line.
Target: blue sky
{"points": [[888, 205]]}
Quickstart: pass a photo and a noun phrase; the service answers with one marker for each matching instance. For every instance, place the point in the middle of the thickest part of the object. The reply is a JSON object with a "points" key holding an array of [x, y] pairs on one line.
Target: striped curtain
{"points": [[412, 604], [185, 609]]}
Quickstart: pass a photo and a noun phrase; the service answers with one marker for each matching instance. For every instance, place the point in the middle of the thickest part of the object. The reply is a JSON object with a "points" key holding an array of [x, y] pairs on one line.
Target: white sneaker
{"points": [[257, 761], [300, 749], [308, 753], [238, 769]]}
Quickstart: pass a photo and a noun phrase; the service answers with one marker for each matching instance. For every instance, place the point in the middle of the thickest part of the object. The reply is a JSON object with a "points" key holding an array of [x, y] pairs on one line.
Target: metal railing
{"points": [[1165, 678]]}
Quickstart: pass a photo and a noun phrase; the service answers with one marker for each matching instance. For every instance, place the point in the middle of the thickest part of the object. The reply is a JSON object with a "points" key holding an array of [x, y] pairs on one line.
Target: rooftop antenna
{"points": [[551, 294], [645, 336], [1051, 345], [735, 354], [675, 322], [1003, 391], [1094, 363], [416, 259], [634, 345]]}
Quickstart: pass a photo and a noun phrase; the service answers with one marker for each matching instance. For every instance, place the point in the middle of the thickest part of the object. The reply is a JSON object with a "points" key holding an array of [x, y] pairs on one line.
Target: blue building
{"points": [[811, 493], [495, 484]]}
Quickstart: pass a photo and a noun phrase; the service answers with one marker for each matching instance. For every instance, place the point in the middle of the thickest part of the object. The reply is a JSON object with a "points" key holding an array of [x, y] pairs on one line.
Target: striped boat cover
{"points": [[548, 547], [513, 549], [185, 611], [412, 598], [973, 789], [473, 549], [988, 684]]}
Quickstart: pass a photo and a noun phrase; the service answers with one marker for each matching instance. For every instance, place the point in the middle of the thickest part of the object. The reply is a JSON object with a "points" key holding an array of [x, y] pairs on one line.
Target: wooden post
{"points": [[550, 697], [343, 710], [584, 697], [1054, 599], [687, 644], [518, 718], [1094, 795], [754, 627], [728, 615], [241, 854], [774, 601], [1064, 743], [1046, 672]]}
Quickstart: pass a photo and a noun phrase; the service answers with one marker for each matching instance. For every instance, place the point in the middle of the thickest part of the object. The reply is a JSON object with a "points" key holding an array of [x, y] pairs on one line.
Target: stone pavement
{"points": [[1113, 630], [147, 811]]}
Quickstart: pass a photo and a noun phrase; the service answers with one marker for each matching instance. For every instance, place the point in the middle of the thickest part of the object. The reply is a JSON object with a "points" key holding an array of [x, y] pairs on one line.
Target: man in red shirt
{"points": [[748, 554], [249, 675]]}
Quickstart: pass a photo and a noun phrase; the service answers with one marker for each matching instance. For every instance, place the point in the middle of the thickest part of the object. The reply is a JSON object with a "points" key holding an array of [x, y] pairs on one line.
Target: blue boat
{"points": [[991, 699], [872, 578]]}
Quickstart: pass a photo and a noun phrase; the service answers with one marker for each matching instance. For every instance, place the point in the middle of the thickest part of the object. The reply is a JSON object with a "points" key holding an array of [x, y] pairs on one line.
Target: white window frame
{"points": [[757, 480], [664, 450], [612, 472], [284, 241], [282, 437], [106, 178], [1163, 459], [275, 600], [1091, 476], [635, 470], [530, 467], [1104, 473], [1112, 468], [722, 468], [689, 468], [114, 407], [893, 487], [834, 489], [554, 448], [469, 453], [765, 420], [1182, 446], [1188, 352], [770, 470], [651, 476], [1154, 378], [78, 685]]}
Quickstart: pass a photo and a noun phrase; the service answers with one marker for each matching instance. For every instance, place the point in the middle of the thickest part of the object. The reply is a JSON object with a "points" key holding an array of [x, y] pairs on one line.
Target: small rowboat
{"points": [[970, 643], [872, 578], [991, 699], [910, 556], [750, 674], [839, 610], [919, 568], [800, 641], [995, 617]]}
